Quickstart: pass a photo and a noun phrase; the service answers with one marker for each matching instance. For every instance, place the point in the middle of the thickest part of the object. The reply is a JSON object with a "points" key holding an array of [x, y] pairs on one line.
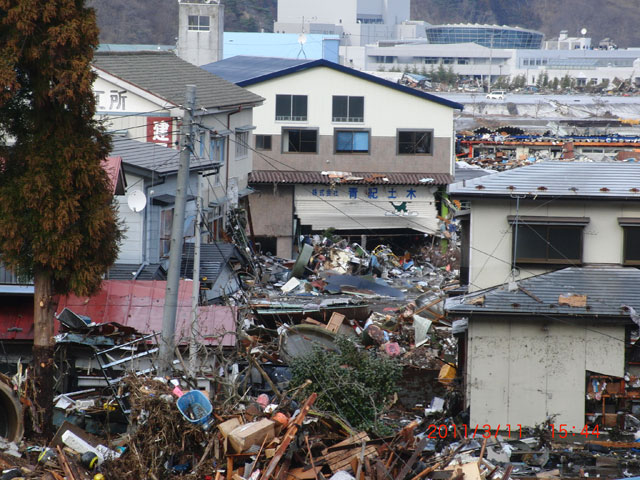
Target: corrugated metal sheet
{"points": [[344, 213], [554, 179], [139, 304], [353, 178], [607, 289]]}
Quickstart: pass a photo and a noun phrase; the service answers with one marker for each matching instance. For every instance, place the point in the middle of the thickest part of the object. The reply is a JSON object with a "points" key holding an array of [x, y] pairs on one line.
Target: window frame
{"points": [[291, 117], [349, 118], [262, 138], [628, 224], [164, 237], [287, 130], [198, 27], [242, 144], [411, 130], [351, 130], [550, 223]]}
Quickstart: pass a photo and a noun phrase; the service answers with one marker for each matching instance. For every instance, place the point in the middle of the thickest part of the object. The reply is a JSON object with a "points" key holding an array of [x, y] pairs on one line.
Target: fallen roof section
{"points": [[604, 180], [585, 291], [140, 304]]}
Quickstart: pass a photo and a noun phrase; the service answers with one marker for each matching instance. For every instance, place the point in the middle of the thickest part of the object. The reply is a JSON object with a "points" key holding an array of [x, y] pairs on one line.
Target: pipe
{"points": [[11, 426]]}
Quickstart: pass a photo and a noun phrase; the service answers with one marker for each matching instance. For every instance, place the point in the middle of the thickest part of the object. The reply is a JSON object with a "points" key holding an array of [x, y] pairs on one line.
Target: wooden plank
{"points": [[289, 436], [335, 322], [412, 460]]}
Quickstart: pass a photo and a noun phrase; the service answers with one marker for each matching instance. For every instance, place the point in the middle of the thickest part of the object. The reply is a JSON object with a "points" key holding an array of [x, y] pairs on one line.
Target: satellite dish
{"points": [[302, 39], [583, 31], [136, 201]]}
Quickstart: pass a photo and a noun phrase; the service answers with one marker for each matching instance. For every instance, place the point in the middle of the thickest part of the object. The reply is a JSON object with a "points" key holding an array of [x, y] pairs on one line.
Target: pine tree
{"points": [[57, 217]]}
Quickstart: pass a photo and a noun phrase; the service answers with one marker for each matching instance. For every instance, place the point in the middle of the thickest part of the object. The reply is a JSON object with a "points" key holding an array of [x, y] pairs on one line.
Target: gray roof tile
{"points": [[607, 290], [166, 75], [558, 179], [152, 156]]}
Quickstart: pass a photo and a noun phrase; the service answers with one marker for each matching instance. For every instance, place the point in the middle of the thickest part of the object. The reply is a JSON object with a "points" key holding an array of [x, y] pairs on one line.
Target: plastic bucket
{"points": [[195, 407]]}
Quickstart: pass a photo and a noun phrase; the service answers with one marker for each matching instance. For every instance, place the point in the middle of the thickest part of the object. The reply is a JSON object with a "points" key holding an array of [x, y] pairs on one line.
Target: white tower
{"points": [[200, 30]]}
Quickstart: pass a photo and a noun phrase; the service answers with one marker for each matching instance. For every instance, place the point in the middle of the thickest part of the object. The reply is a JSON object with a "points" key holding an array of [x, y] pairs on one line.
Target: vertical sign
{"points": [[159, 130]]}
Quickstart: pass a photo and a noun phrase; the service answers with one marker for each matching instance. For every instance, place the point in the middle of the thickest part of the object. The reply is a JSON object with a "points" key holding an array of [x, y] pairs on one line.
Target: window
{"points": [[448, 60], [166, 223], [199, 23], [631, 242], [291, 107], [352, 141], [549, 240], [414, 142], [464, 61], [263, 142], [299, 140], [216, 150], [348, 109], [242, 145]]}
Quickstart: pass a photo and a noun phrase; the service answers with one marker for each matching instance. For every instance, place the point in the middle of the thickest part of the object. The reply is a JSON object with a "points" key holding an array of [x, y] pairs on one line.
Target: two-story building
{"points": [[549, 255], [140, 95], [338, 148]]}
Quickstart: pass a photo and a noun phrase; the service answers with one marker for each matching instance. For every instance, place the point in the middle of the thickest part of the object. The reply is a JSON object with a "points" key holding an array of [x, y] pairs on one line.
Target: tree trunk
{"points": [[44, 309]]}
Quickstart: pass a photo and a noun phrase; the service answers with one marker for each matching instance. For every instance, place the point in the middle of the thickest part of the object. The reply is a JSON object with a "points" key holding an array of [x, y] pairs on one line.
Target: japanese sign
{"points": [[159, 130]]}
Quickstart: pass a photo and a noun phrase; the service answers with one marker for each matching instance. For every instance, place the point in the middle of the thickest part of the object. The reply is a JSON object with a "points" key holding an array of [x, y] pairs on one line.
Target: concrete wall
{"points": [[201, 47], [327, 11], [491, 235], [385, 111], [383, 158], [522, 371]]}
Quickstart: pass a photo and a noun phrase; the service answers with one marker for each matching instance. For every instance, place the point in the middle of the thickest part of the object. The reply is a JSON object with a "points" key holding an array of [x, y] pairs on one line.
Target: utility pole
{"points": [[167, 344], [195, 330]]}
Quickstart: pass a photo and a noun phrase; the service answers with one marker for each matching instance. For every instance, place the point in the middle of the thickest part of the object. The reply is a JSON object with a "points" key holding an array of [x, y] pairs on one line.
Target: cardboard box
{"points": [[226, 428], [243, 437], [610, 420]]}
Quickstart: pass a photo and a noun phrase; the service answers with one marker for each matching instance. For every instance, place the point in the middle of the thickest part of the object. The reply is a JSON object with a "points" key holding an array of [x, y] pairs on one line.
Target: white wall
{"points": [[385, 109], [522, 371], [491, 241], [327, 11], [132, 246], [201, 47]]}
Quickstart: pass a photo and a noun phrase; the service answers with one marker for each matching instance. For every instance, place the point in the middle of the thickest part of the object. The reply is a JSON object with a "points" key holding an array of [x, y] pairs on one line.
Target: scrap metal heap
{"points": [[312, 336]]}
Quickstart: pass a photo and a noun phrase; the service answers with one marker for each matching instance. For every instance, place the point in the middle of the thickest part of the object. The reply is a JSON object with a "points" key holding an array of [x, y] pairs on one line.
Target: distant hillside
{"points": [[155, 21]]}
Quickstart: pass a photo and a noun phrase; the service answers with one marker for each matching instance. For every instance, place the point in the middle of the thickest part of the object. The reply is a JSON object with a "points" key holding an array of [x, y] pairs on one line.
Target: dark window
{"points": [[414, 142], [199, 23], [299, 140], [632, 245], [263, 142], [348, 109], [549, 244], [352, 141], [291, 107]]}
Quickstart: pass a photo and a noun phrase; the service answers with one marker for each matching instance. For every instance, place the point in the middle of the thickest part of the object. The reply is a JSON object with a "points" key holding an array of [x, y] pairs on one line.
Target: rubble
{"points": [[251, 415]]}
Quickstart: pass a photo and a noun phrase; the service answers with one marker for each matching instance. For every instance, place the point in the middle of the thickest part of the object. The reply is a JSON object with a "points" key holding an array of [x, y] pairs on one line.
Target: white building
{"points": [[358, 22], [140, 97], [200, 31], [338, 148]]}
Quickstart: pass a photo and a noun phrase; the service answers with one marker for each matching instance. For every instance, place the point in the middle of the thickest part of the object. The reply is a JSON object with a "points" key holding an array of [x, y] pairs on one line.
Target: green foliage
{"points": [[520, 81], [355, 384], [57, 215]]}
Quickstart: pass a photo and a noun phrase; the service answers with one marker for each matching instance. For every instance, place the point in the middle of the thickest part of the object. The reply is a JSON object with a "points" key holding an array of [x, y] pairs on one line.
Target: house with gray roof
{"points": [[140, 96], [549, 257]]}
